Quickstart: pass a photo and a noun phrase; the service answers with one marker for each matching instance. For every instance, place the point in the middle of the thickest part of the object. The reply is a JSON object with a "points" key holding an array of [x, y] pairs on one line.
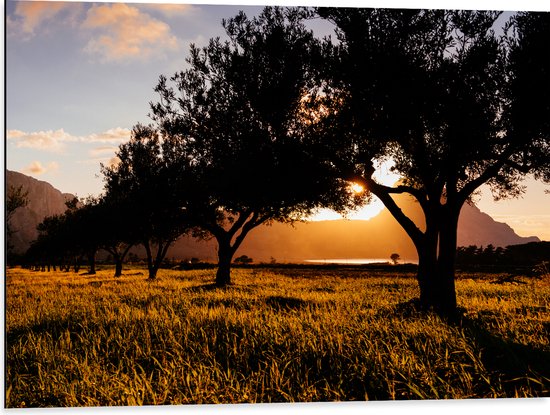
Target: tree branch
{"points": [[383, 193]]}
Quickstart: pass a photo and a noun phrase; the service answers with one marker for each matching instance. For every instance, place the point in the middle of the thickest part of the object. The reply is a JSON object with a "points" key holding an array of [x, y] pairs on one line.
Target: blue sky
{"points": [[80, 75]]}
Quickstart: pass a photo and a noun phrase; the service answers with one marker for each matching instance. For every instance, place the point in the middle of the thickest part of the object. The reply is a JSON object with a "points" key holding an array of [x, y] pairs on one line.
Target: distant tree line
{"points": [[529, 254], [274, 123]]}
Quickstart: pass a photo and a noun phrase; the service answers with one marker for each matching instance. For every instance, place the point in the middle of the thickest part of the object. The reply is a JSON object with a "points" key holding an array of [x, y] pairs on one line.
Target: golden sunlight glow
{"points": [[356, 188], [383, 175]]}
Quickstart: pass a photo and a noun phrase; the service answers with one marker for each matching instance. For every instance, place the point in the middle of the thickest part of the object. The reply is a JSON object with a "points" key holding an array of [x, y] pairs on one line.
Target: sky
{"points": [[80, 75]]}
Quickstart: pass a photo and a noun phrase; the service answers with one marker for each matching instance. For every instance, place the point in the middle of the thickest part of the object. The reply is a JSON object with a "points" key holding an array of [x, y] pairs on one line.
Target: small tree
{"points": [[395, 257], [243, 260]]}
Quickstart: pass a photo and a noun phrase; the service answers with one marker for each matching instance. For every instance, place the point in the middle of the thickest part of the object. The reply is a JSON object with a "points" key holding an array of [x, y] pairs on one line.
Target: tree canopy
{"points": [[235, 123], [452, 103], [145, 193]]}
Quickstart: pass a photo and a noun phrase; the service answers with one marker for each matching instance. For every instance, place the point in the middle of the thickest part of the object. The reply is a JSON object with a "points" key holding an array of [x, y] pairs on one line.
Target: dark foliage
{"points": [[450, 102], [235, 125]]}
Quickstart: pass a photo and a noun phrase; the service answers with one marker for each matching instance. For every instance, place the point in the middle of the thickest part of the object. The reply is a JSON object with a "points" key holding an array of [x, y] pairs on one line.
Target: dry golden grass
{"points": [[275, 335]]}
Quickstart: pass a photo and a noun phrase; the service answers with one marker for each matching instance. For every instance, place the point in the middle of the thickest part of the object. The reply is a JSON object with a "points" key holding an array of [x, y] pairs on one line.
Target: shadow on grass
{"points": [[281, 303], [515, 366], [519, 366], [213, 287]]}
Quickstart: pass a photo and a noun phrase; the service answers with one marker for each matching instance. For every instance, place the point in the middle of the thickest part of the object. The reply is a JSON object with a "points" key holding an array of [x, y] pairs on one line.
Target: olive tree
{"points": [[235, 123], [454, 104], [141, 191]]}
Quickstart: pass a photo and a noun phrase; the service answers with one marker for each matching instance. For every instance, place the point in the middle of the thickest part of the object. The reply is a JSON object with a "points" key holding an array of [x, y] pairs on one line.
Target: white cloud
{"points": [[124, 33], [36, 168], [55, 141], [51, 141], [114, 135]]}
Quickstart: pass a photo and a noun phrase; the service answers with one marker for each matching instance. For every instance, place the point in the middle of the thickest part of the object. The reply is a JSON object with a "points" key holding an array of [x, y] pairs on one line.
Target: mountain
{"points": [[43, 200], [378, 237]]}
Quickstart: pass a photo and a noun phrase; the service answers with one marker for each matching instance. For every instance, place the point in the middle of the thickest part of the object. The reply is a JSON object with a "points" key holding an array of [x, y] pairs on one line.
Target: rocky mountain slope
{"points": [[43, 200]]}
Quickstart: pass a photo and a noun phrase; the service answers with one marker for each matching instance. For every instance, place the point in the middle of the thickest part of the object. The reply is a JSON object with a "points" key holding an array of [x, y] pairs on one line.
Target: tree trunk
{"points": [[153, 272], [436, 261], [446, 303], [150, 265], [225, 254], [153, 264], [118, 266], [91, 262]]}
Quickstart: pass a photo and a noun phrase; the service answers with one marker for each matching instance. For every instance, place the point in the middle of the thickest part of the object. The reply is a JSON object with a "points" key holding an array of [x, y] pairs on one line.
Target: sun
{"points": [[356, 188], [383, 175]]}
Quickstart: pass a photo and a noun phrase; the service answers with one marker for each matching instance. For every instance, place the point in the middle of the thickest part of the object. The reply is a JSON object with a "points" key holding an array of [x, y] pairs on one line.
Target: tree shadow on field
{"points": [[519, 366], [204, 288], [516, 366], [281, 303], [213, 287]]}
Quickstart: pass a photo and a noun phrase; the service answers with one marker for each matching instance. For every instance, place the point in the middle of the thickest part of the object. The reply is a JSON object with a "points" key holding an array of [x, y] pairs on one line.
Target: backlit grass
{"points": [[275, 335]]}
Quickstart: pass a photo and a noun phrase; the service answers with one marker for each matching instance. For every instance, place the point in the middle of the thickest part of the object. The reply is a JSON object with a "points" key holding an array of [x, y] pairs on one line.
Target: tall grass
{"points": [[293, 335]]}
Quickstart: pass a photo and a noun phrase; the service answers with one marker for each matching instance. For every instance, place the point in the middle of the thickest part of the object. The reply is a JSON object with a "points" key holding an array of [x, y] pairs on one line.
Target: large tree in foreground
{"points": [[452, 103], [239, 115]]}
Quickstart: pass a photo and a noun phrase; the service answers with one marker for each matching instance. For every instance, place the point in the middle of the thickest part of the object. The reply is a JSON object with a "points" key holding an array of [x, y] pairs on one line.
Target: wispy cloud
{"points": [[125, 33], [36, 168], [30, 17], [114, 135], [56, 141]]}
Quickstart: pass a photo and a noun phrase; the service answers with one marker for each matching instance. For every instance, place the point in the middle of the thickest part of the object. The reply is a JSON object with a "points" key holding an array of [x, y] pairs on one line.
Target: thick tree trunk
{"points": [[427, 261], [91, 262], [118, 267], [150, 265], [436, 262], [153, 272], [446, 265], [225, 254]]}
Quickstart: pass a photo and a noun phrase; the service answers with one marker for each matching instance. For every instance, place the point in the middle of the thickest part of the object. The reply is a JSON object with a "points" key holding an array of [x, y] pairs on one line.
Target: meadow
{"points": [[276, 335]]}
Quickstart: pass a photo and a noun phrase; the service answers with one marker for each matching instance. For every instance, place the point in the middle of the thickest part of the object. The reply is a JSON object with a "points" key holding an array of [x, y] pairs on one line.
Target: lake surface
{"points": [[355, 261]]}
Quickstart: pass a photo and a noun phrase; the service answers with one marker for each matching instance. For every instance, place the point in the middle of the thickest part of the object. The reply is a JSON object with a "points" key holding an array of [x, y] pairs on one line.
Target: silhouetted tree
{"points": [[454, 105], [395, 258], [16, 198], [235, 123], [243, 259], [147, 194], [117, 229], [55, 245]]}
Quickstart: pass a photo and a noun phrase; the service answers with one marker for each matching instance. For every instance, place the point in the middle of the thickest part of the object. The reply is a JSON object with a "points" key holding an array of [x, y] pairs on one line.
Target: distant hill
{"points": [[378, 237], [44, 200]]}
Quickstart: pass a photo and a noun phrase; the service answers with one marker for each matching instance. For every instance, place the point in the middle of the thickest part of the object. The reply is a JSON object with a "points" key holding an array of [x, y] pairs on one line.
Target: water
{"points": [[351, 261]]}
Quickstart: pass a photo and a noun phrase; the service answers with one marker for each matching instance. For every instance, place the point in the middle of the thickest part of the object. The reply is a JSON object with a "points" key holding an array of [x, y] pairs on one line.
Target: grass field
{"points": [[276, 335]]}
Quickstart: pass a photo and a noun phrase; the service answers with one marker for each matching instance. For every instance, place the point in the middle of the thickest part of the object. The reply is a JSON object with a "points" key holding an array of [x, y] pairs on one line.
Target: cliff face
{"points": [[378, 237], [43, 200]]}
